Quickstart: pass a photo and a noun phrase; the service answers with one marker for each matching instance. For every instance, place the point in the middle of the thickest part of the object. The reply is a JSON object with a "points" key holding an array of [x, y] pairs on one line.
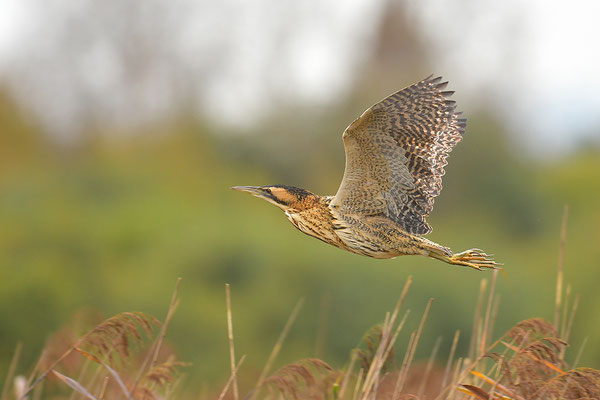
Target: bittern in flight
{"points": [[395, 157]]}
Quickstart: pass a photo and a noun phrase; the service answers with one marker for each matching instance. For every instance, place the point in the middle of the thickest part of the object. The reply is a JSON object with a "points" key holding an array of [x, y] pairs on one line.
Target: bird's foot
{"points": [[474, 258]]}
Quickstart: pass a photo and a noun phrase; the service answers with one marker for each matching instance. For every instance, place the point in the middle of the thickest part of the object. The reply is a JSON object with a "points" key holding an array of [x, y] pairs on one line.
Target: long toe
{"points": [[474, 258]]}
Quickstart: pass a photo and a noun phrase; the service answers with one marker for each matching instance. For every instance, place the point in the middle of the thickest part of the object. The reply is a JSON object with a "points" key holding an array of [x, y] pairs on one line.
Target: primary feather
{"points": [[396, 152]]}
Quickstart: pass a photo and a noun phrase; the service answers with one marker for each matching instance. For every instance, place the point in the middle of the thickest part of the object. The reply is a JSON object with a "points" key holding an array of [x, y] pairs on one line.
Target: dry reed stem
{"points": [[404, 371], [358, 384], [450, 357], [561, 259], [232, 378], [472, 347], [465, 370], [163, 331], [36, 368], [347, 375], [580, 352], [81, 377], [397, 387], [564, 321], [571, 318], [374, 367], [455, 376], [371, 374], [494, 316], [11, 370], [429, 366], [496, 366], [156, 347], [385, 344], [389, 348], [103, 388], [487, 314], [96, 375], [73, 384], [561, 326], [52, 366], [171, 389], [565, 310], [396, 333], [114, 373], [277, 347], [407, 286], [230, 338], [475, 334]]}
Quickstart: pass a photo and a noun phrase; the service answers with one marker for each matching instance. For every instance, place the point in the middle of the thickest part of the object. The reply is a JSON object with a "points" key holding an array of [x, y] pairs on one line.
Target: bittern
{"points": [[395, 157]]}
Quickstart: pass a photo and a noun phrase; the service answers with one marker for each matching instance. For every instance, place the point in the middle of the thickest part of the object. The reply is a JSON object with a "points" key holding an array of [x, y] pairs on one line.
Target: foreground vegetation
{"points": [[126, 357]]}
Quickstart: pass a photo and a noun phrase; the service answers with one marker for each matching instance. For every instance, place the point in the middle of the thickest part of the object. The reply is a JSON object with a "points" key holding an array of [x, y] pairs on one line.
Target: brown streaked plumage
{"points": [[395, 157]]}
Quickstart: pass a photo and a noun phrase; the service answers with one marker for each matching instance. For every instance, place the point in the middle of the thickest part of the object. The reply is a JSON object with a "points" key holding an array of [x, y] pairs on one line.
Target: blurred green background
{"points": [[111, 216]]}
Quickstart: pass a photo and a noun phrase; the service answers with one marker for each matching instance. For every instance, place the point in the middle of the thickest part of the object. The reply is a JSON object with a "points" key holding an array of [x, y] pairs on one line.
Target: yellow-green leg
{"points": [[473, 258]]}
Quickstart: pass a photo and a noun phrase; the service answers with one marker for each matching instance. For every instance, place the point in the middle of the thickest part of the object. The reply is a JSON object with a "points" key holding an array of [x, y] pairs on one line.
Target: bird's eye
{"points": [[268, 190]]}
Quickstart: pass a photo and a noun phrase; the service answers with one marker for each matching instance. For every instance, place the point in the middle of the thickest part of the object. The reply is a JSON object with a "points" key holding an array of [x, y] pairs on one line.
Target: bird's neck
{"points": [[307, 203], [315, 219]]}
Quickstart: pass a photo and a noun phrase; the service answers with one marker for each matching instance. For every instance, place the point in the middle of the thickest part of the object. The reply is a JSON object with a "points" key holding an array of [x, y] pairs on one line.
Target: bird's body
{"points": [[395, 154]]}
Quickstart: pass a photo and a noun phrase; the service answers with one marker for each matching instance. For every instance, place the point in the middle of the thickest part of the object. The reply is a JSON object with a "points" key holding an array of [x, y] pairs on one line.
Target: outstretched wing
{"points": [[396, 152]]}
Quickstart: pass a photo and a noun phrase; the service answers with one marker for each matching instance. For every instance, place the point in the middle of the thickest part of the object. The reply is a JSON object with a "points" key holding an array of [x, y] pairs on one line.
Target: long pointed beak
{"points": [[262, 192], [254, 190]]}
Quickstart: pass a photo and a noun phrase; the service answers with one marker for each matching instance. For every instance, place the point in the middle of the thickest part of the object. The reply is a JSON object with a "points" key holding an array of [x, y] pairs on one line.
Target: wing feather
{"points": [[396, 152]]}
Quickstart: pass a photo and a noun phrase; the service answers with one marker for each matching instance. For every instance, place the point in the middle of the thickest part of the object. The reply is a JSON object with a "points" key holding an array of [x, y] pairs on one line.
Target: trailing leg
{"points": [[473, 258]]}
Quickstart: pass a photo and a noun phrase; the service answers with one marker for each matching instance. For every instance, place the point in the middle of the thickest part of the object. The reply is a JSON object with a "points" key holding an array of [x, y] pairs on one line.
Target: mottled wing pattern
{"points": [[396, 152]]}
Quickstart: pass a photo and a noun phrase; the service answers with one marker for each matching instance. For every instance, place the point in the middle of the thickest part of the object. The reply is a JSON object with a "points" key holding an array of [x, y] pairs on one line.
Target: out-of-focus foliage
{"points": [[110, 224]]}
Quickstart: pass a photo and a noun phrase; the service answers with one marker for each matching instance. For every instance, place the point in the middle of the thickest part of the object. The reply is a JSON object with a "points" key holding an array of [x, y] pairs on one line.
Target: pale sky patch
{"points": [[125, 63]]}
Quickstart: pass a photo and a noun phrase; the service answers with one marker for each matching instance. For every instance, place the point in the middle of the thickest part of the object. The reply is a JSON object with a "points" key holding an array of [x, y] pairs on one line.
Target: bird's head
{"points": [[288, 198]]}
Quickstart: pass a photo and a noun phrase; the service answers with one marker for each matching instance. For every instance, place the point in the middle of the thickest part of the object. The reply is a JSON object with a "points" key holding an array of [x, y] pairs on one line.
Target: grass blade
{"points": [[230, 338], [347, 376], [277, 347], [429, 366], [358, 384], [232, 378], [450, 358], [559, 275], [580, 352], [153, 354], [386, 343], [405, 368], [487, 314], [11, 370], [475, 335], [103, 388], [76, 386], [109, 369]]}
